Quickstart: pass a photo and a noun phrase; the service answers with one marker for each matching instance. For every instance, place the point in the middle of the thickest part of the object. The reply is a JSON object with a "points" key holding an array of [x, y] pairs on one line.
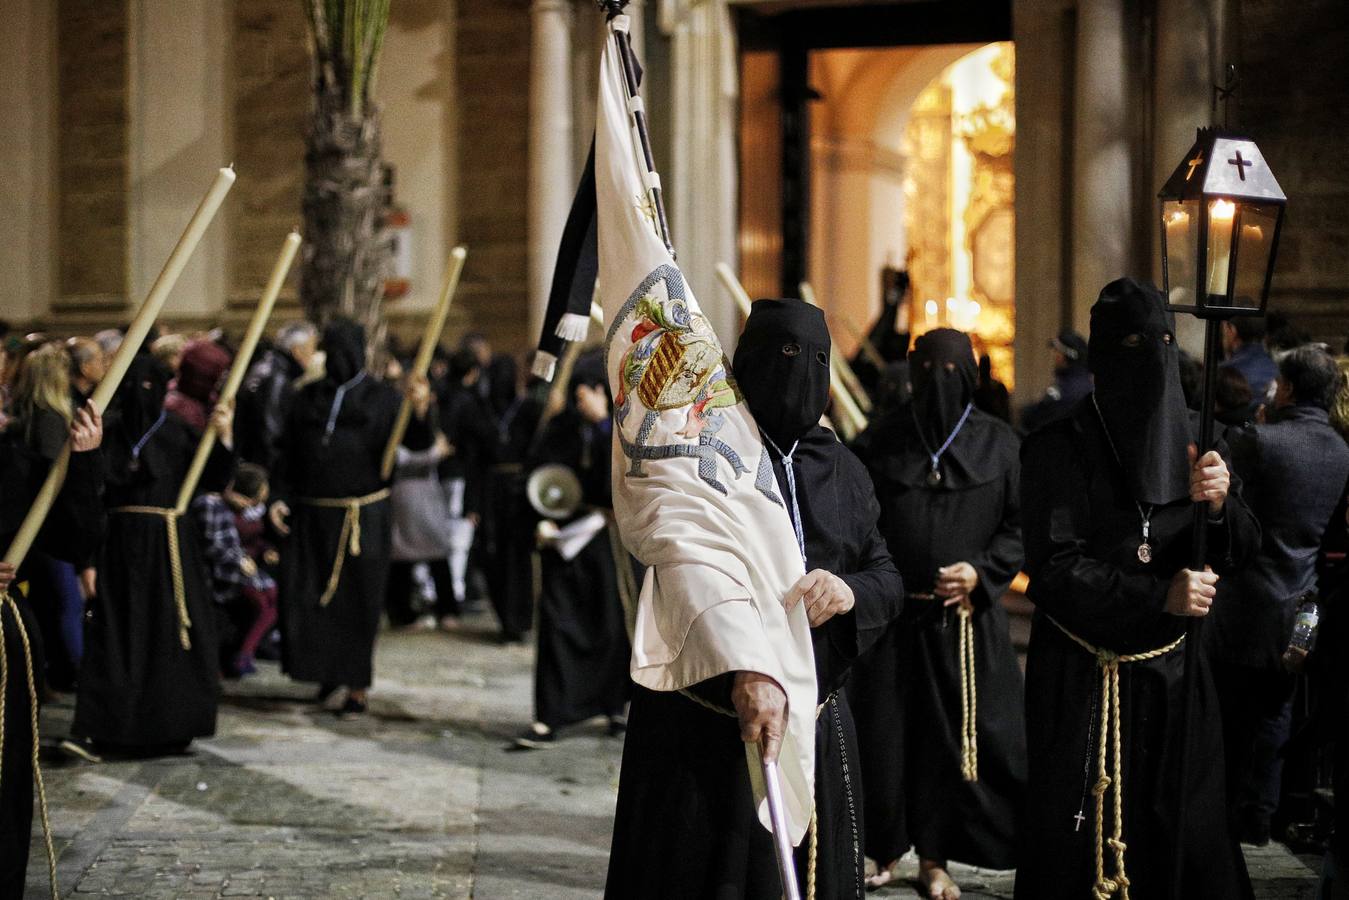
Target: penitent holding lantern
{"points": [[1221, 214]]}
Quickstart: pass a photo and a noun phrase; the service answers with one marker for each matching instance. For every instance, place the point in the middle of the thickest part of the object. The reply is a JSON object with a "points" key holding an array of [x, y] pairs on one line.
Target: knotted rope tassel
{"points": [[1109, 763], [170, 517], [349, 540], [7, 602], [969, 696]]}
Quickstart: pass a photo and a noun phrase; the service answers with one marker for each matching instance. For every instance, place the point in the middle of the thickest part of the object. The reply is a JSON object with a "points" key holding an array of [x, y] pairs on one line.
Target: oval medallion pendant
{"points": [[1144, 553], [933, 478]]}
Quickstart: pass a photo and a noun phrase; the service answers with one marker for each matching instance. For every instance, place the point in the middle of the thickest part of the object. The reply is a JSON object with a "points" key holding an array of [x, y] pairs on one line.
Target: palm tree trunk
{"points": [[346, 250]]}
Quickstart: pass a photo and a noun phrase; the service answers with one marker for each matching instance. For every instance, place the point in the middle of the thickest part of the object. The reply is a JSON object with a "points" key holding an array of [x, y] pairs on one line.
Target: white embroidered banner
{"points": [[694, 492]]}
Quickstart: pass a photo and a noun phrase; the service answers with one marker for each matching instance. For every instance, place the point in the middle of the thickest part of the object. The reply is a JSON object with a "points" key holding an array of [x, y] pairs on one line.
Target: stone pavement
{"points": [[420, 799]]}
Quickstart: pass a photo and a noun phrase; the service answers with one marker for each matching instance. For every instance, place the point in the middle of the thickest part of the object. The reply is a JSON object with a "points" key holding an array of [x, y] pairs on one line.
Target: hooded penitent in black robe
{"points": [[72, 532], [331, 448], [139, 686], [1081, 489], [907, 692], [581, 669], [686, 824], [507, 535]]}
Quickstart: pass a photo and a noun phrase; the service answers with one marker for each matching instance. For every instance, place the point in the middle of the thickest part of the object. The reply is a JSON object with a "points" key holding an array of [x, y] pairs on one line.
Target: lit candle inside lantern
{"points": [[1220, 215]]}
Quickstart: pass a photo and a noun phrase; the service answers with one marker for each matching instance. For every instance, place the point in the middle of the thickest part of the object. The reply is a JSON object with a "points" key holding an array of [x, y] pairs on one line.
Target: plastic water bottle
{"points": [[1304, 627]]}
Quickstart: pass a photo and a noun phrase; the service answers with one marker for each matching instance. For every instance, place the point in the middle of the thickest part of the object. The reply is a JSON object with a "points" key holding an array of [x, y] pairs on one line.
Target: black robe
{"points": [[581, 669], [72, 532], [906, 696], [686, 825], [334, 645], [1082, 531], [507, 535], [139, 688]]}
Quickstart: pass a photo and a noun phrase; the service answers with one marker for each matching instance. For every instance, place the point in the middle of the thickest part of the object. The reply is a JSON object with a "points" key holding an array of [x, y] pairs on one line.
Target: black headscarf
{"points": [[1136, 364], [782, 367], [944, 376]]}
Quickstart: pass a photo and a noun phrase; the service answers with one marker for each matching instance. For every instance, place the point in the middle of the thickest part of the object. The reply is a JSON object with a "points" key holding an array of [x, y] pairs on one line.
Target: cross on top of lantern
{"points": [[1221, 214]]}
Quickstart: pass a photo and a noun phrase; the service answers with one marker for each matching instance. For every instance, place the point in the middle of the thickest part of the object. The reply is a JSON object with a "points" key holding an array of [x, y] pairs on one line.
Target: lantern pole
{"points": [[1194, 625]]}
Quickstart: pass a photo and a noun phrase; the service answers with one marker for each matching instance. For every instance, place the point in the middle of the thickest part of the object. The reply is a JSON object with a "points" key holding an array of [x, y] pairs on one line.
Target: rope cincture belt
{"points": [[812, 861], [969, 692], [170, 517], [349, 541], [7, 602], [969, 696], [1110, 743]]}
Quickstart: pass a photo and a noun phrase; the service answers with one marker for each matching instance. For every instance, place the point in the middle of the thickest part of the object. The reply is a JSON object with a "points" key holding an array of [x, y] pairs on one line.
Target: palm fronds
{"points": [[348, 36]]}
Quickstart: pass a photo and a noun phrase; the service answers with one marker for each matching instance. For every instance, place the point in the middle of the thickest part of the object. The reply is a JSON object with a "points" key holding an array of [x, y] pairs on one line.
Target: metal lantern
{"points": [[1221, 215]]}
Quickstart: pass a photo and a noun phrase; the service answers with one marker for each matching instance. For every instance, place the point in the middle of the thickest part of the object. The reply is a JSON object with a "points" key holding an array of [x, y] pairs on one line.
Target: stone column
{"points": [[701, 182], [1102, 183], [1045, 41], [1182, 105], [552, 179]]}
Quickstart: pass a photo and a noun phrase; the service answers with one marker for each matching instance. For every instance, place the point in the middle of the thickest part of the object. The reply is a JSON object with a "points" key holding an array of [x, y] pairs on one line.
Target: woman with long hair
{"points": [[40, 400]]}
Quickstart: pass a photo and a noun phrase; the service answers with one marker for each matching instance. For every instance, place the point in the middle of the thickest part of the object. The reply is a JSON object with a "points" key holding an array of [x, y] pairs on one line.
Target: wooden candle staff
{"points": [[839, 363], [131, 344], [430, 338], [240, 366]]}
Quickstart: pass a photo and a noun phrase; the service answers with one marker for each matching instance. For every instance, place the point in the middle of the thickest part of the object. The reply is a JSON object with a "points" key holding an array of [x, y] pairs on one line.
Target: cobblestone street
{"points": [[420, 799]]}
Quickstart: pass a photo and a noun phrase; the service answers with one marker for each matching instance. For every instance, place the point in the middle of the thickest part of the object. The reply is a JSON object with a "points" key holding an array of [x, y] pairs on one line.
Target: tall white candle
{"points": [[121, 361], [1220, 216], [241, 360], [454, 267]]}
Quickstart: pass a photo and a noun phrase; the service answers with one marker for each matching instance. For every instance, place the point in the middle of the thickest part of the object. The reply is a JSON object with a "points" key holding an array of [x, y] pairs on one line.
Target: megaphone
{"points": [[554, 491]]}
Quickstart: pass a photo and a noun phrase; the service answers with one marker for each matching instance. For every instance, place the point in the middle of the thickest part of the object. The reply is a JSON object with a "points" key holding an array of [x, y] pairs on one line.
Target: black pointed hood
{"points": [[1134, 359], [782, 367], [944, 376], [343, 346]]}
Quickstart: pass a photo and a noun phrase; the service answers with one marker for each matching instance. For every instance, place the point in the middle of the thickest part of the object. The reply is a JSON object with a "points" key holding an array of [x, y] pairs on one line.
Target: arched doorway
{"points": [[912, 169]]}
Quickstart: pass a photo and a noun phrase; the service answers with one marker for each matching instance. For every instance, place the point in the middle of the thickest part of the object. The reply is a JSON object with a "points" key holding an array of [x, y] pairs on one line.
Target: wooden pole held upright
{"points": [[239, 367], [838, 363], [121, 361], [454, 267]]}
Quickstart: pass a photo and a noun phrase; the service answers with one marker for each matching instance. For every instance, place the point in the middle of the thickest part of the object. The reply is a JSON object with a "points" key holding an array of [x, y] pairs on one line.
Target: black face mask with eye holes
{"points": [[782, 367], [944, 375], [1134, 359]]}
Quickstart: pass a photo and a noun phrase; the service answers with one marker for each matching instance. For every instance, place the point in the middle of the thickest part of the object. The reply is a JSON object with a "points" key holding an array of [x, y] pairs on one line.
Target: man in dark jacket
{"points": [[267, 390], [1072, 382], [1294, 469]]}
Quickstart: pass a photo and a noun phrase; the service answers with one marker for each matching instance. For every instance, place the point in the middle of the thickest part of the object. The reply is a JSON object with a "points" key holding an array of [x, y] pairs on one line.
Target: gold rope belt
{"points": [[349, 541], [1110, 743], [170, 517], [7, 602], [812, 861], [969, 696], [969, 692]]}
